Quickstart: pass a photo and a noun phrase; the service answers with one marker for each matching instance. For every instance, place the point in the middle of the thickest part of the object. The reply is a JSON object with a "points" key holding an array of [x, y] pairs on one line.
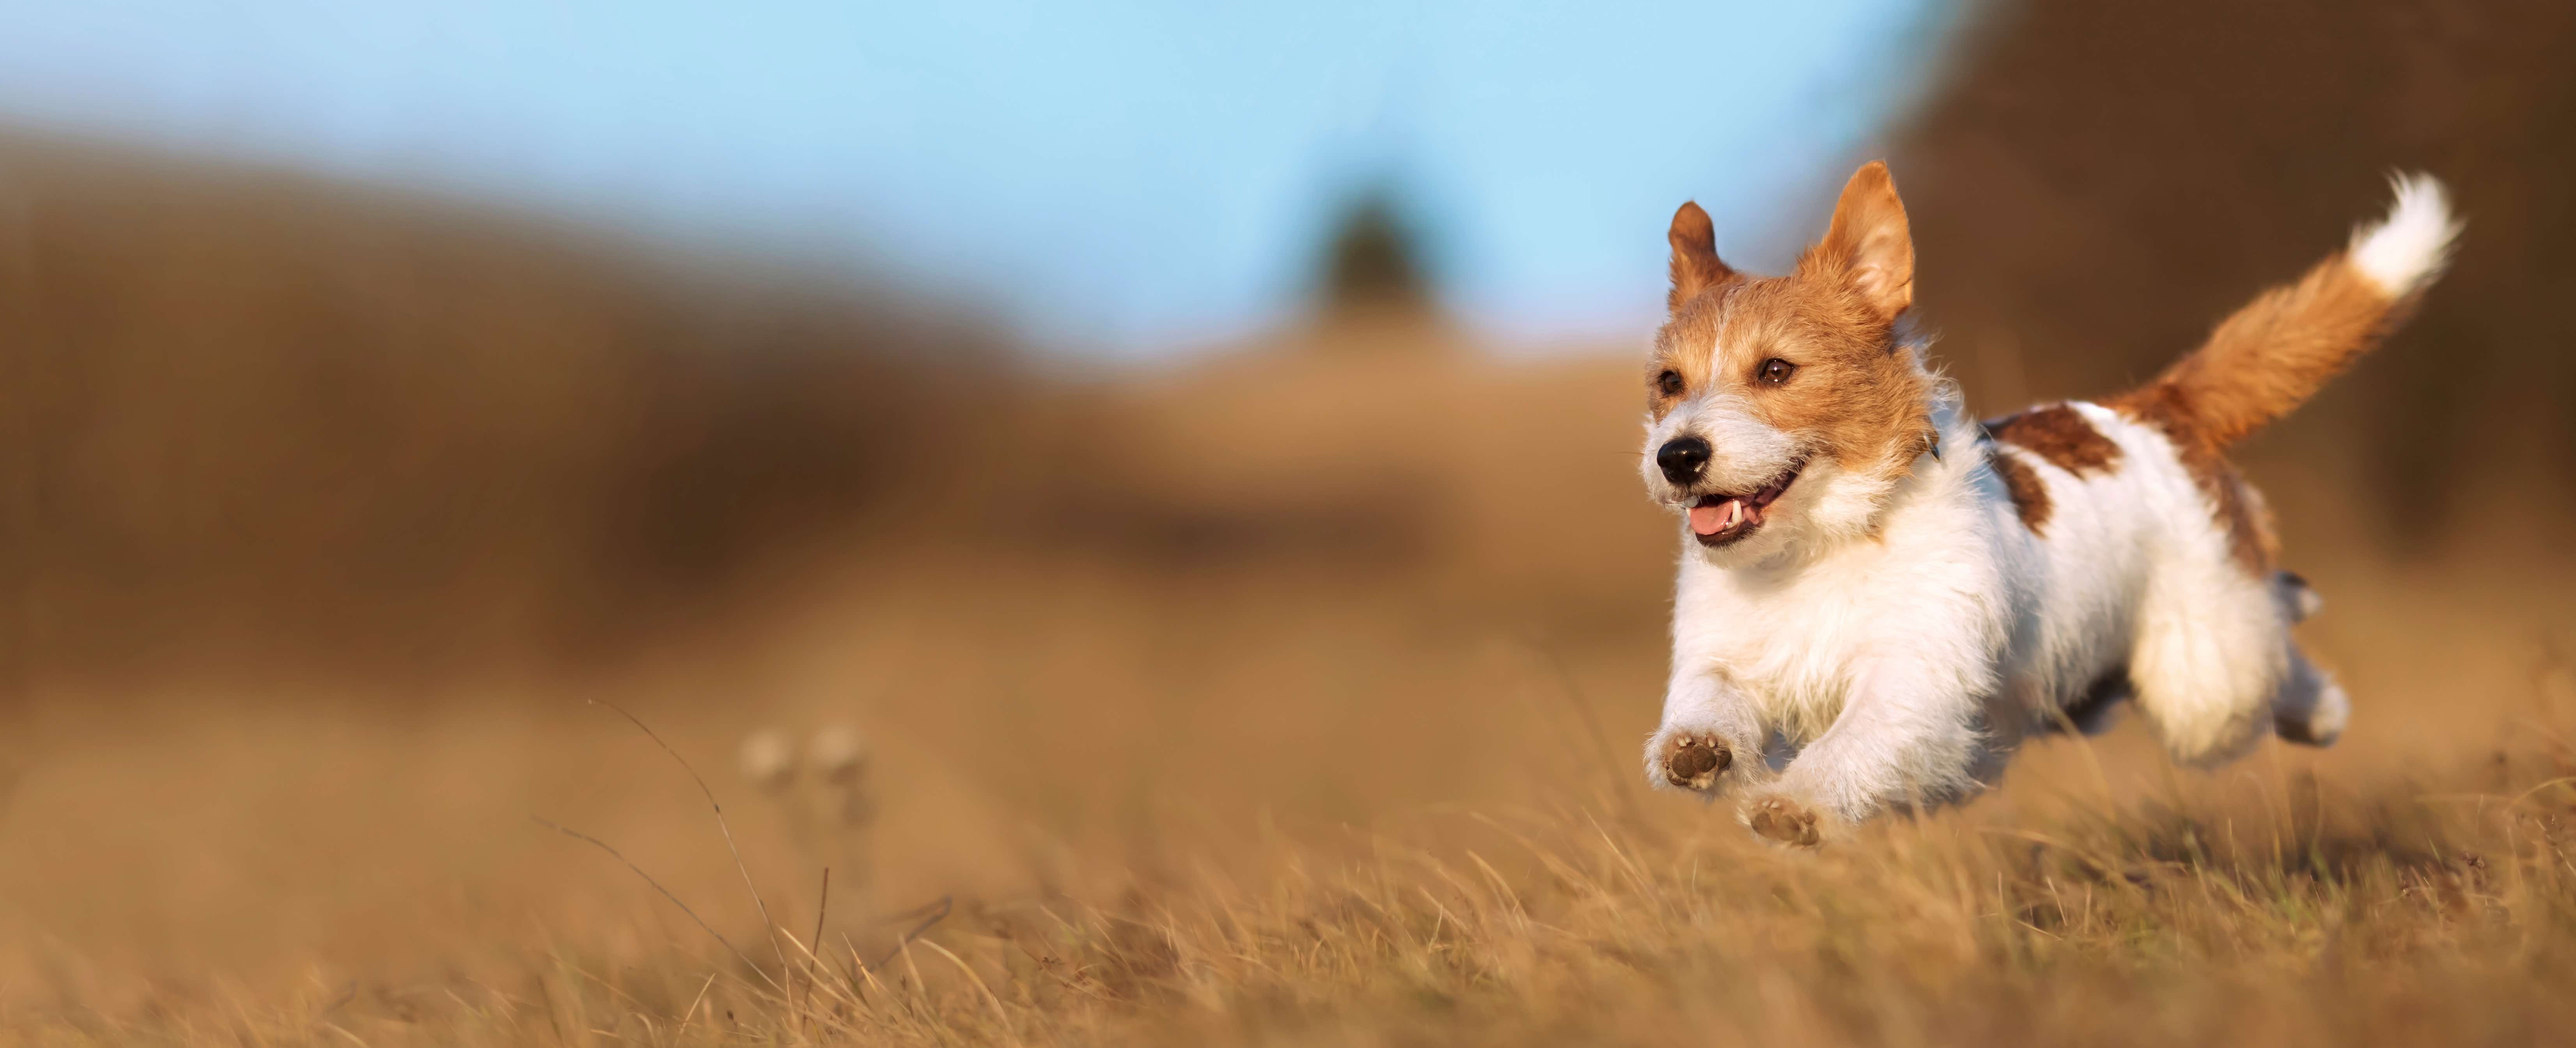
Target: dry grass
{"points": [[2281, 902], [1264, 787]]}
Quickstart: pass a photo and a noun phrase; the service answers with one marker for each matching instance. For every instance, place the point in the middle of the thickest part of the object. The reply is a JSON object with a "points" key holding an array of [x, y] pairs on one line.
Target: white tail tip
{"points": [[2405, 251]]}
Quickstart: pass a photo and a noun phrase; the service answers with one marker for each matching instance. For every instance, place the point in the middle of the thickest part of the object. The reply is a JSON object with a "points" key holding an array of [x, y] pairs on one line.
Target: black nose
{"points": [[1682, 459]]}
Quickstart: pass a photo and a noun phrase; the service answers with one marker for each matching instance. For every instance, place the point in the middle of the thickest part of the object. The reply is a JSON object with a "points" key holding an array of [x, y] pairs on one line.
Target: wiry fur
{"points": [[1926, 592]]}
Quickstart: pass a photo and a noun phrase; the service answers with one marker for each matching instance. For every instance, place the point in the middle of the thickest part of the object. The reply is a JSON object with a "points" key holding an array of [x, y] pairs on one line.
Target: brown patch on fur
{"points": [[2059, 435], [1856, 393], [2252, 538], [2029, 493], [1682, 347], [2252, 543]]}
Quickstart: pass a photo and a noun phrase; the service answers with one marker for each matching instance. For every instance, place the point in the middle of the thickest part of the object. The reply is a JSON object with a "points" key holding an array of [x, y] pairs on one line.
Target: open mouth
{"points": [[1718, 520]]}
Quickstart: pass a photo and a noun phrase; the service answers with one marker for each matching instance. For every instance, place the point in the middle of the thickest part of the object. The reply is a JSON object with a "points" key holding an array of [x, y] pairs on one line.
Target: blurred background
{"points": [[1129, 420]]}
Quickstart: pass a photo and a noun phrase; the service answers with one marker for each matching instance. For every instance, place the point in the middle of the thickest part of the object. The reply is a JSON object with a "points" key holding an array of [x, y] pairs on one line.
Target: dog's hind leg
{"points": [[2310, 708], [2299, 601], [2211, 654]]}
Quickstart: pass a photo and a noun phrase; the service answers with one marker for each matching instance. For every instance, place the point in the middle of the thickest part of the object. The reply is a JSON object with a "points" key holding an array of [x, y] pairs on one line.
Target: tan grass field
{"points": [[1345, 755]]}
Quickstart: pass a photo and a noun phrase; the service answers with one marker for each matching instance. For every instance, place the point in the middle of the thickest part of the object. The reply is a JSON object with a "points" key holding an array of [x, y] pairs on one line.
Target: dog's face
{"points": [[1783, 410]]}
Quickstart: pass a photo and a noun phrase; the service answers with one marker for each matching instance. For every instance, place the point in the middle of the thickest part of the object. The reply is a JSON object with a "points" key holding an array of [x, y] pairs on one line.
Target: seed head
{"points": [[768, 759], [837, 754]]}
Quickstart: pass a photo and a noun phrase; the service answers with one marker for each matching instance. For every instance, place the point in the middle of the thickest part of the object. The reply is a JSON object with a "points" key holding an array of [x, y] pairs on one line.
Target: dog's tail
{"points": [[2283, 346]]}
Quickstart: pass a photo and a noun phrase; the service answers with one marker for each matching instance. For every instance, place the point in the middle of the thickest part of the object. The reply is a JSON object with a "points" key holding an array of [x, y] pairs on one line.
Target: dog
{"points": [[1880, 598]]}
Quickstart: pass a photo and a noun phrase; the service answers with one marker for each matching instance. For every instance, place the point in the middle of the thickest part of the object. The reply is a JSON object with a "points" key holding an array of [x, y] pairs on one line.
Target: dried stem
{"points": [[766, 924], [648, 879]]}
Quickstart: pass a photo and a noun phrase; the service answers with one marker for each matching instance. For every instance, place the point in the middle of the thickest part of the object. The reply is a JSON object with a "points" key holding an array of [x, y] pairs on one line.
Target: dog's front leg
{"points": [[1708, 729], [1907, 735]]}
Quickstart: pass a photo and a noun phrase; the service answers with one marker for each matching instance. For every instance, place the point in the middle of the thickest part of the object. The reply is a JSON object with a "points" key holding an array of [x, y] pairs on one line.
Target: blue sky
{"points": [[1123, 176]]}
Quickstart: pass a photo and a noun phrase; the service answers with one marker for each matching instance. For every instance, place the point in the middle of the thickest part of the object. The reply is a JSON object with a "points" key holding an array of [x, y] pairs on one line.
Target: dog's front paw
{"points": [[1782, 819], [1688, 760]]}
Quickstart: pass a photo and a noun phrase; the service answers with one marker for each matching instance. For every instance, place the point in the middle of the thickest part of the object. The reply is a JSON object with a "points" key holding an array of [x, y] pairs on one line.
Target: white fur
{"points": [[2408, 249]]}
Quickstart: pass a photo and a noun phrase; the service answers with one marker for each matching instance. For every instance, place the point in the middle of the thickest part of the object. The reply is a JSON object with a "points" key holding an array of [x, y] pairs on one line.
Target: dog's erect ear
{"points": [[1869, 244], [1695, 264]]}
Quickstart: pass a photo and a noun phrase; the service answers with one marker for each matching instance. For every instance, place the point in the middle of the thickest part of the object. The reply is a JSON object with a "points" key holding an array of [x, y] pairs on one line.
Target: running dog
{"points": [[1880, 598]]}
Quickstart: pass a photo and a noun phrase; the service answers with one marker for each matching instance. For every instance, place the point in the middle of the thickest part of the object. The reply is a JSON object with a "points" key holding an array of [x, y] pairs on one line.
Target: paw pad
{"points": [[1785, 822], [1693, 762]]}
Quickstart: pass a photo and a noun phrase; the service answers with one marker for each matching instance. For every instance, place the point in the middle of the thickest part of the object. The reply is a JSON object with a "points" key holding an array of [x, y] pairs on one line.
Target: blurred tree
{"points": [[1373, 265]]}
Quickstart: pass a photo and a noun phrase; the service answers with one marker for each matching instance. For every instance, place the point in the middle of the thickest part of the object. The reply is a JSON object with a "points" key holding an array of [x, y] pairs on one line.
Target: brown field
{"points": [[1292, 696], [1287, 772]]}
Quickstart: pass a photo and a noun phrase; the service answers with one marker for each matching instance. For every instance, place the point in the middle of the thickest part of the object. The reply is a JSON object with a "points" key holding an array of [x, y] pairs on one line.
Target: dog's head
{"points": [[1782, 411]]}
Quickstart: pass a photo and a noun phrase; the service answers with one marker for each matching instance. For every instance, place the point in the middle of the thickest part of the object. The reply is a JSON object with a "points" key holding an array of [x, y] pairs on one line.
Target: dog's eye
{"points": [[1775, 371], [1669, 383]]}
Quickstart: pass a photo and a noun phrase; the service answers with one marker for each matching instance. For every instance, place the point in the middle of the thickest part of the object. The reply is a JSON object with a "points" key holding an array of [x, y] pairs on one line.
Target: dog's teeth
{"points": [[1734, 512]]}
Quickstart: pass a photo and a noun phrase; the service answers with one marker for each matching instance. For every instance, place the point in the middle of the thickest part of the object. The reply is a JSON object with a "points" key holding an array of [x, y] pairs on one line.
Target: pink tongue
{"points": [[1709, 520]]}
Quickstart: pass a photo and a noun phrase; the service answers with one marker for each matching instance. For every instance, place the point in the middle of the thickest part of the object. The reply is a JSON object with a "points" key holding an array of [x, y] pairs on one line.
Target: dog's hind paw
{"points": [[1689, 760], [1786, 821]]}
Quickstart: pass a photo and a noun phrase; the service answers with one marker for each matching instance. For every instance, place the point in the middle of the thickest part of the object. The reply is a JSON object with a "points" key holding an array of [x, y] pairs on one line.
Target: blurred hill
{"points": [[2097, 184], [255, 412], [276, 421]]}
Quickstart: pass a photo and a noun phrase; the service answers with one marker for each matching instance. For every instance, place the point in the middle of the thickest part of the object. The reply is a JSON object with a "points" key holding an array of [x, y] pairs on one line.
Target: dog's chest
{"points": [[1791, 641], [1922, 600]]}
